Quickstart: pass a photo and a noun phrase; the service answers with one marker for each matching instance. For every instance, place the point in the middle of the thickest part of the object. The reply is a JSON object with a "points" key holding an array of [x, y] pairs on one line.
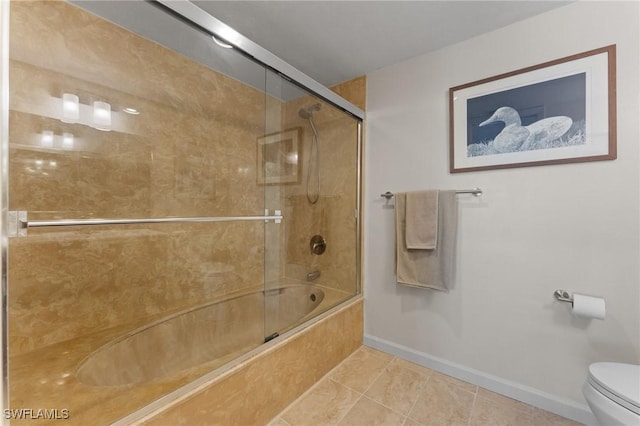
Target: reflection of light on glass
{"points": [[53, 164], [70, 108], [38, 164], [102, 115], [221, 43], [67, 141], [292, 158], [131, 111], [46, 141]]}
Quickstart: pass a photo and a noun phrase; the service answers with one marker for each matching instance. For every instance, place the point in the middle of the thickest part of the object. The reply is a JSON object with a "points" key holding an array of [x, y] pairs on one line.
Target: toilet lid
{"points": [[619, 382]]}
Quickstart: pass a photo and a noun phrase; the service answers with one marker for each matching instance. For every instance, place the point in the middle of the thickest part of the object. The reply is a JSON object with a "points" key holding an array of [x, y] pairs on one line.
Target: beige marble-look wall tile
{"points": [[240, 399], [190, 152], [355, 91], [333, 214]]}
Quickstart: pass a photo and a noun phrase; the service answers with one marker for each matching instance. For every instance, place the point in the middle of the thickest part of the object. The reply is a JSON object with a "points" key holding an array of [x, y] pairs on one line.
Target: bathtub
{"points": [[199, 335]]}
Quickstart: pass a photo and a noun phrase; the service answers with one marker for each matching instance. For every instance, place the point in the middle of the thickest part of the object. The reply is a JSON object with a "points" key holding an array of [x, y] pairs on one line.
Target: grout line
{"points": [[406, 416], [281, 419], [378, 376], [315, 385], [362, 394], [473, 406], [424, 385], [350, 408], [385, 406]]}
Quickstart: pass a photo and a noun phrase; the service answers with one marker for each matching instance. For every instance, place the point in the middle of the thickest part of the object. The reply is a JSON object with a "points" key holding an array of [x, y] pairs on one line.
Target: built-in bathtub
{"points": [[111, 373], [197, 336]]}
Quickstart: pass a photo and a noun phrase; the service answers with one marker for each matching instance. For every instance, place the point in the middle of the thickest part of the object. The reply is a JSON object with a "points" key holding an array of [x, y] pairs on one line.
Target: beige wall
{"points": [[535, 229]]}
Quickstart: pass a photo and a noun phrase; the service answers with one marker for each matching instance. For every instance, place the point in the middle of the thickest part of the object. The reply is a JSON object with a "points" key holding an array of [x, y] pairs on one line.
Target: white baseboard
{"points": [[562, 407]]}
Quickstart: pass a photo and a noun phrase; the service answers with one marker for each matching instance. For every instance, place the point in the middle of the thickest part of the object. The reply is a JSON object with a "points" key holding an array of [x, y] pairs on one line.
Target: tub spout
{"points": [[313, 275]]}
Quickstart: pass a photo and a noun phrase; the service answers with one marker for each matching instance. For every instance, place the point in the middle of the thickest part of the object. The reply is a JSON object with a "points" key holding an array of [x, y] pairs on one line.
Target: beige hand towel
{"points": [[422, 220], [432, 269]]}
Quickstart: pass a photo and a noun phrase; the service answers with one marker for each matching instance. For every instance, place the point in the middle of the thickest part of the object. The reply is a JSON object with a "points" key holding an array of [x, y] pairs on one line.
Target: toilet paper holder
{"points": [[563, 296]]}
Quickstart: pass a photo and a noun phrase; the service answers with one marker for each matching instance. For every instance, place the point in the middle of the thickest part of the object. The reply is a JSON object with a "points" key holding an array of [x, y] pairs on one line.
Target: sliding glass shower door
{"points": [[310, 160], [173, 206]]}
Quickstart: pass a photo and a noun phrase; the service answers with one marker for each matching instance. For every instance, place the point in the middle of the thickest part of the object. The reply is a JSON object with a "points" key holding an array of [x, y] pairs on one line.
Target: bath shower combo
{"points": [[156, 259]]}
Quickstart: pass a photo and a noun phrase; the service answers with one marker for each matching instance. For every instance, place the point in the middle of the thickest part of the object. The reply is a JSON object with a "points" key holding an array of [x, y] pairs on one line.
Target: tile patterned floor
{"points": [[374, 388]]}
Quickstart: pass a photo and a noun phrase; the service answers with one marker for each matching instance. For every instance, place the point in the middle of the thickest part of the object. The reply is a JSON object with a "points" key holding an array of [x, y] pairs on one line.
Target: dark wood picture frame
{"points": [[561, 111]]}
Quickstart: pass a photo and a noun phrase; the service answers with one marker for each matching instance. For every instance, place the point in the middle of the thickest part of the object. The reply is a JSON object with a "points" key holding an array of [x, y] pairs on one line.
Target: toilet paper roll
{"points": [[588, 306]]}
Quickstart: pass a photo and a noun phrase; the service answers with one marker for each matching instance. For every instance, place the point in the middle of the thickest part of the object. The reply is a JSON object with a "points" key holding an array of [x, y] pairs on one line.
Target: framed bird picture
{"points": [[561, 111]]}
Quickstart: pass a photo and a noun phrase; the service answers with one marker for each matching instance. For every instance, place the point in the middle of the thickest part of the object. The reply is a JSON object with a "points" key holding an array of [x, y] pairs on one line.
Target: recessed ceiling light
{"points": [[131, 111]]}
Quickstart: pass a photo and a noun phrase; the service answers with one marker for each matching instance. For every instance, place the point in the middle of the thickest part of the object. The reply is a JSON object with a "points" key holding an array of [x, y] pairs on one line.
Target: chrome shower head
{"points": [[306, 113]]}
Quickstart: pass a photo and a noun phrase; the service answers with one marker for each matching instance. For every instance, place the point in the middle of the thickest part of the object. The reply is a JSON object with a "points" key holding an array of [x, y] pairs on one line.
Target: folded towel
{"points": [[422, 220], [432, 269]]}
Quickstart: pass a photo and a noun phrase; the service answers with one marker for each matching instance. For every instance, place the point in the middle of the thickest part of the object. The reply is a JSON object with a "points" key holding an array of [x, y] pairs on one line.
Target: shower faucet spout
{"points": [[313, 275]]}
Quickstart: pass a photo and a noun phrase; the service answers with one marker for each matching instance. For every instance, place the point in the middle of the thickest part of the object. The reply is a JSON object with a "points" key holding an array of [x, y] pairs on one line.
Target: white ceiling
{"points": [[335, 41], [330, 41]]}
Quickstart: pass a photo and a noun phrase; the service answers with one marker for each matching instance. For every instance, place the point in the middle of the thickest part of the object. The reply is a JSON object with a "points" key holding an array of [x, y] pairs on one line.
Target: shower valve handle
{"points": [[317, 244]]}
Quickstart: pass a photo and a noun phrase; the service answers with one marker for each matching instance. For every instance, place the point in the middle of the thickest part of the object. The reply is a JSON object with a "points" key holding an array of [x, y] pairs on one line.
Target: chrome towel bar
{"points": [[19, 223], [475, 191]]}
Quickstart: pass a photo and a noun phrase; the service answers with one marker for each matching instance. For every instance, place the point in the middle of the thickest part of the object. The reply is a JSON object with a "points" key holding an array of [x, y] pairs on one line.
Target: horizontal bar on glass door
{"points": [[25, 223]]}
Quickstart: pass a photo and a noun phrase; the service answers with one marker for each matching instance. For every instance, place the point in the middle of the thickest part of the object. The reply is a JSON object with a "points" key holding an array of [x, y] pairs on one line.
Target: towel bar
{"points": [[475, 191]]}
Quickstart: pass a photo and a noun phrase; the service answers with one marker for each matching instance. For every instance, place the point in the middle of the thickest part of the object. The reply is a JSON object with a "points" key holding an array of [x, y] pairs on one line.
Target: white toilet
{"points": [[612, 391]]}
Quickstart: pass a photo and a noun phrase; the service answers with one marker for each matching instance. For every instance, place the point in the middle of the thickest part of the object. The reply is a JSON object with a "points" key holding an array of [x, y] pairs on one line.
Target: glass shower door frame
{"points": [[4, 194]]}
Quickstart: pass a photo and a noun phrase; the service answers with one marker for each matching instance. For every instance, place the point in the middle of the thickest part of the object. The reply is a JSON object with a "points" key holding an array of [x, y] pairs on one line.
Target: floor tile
{"points": [[278, 422], [442, 402], [401, 393], [398, 387], [541, 417], [411, 366], [502, 400], [491, 409], [410, 422], [325, 404], [369, 413], [453, 381], [361, 369]]}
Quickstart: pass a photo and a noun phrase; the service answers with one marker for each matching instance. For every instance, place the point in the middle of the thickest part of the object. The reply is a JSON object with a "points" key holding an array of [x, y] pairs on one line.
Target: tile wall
{"points": [[190, 152]]}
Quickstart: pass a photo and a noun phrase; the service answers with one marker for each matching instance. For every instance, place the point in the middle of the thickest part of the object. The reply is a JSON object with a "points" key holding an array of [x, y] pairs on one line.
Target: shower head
{"points": [[307, 112]]}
